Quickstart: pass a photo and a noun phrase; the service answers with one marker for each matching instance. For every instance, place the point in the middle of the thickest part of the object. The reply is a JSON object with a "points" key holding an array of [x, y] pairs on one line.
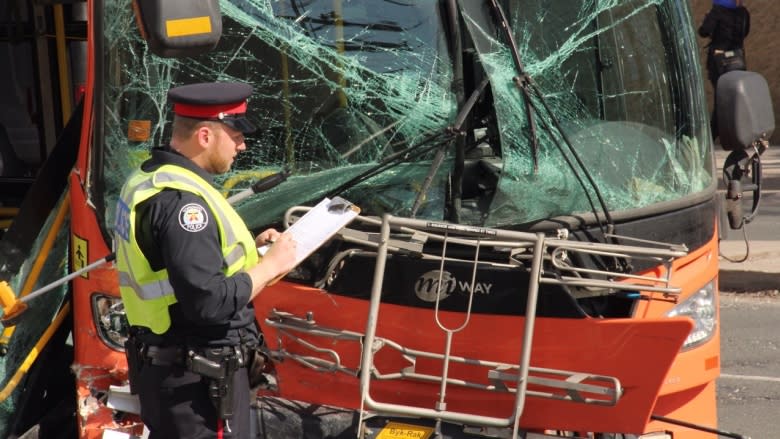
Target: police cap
{"points": [[218, 101]]}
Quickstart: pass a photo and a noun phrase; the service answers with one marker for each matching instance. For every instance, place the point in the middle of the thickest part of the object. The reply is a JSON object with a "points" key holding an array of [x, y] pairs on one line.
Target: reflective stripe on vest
{"points": [[147, 293]]}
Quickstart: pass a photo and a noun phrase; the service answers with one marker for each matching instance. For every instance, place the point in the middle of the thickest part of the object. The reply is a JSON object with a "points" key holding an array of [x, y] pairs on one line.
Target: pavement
{"points": [[759, 243]]}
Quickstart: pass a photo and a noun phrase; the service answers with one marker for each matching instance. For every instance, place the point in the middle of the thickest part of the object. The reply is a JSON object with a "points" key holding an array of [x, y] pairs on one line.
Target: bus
{"points": [[536, 250]]}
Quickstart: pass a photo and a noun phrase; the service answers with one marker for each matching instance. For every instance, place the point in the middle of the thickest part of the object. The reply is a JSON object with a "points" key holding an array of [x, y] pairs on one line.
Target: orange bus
{"points": [[536, 253]]}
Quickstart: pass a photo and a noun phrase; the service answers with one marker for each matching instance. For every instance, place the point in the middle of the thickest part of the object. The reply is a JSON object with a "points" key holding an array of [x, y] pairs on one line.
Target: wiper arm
{"points": [[456, 130], [439, 139], [418, 149], [526, 85]]}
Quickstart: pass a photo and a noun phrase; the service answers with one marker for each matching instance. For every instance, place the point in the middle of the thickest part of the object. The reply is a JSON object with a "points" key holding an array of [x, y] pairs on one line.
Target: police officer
{"points": [[189, 269], [727, 24]]}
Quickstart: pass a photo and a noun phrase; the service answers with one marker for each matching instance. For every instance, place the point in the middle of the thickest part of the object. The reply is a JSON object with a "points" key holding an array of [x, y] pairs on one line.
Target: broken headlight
{"points": [[110, 320]]}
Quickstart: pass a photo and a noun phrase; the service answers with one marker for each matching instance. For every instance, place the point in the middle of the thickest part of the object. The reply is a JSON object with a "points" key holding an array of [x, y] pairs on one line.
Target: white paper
{"points": [[318, 225]]}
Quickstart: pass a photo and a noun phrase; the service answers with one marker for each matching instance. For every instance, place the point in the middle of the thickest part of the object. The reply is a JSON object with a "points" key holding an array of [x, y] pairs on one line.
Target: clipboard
{"points": [[318, 225]]}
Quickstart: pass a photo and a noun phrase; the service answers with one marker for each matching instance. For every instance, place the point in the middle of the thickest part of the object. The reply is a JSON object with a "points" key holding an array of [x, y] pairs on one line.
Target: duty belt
{"points": [[216, 365], [165, 355], [186, 357]]}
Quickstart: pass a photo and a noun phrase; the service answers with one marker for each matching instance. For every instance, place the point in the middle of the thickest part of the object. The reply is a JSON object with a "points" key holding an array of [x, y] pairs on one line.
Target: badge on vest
{"points": [[193, 218]]}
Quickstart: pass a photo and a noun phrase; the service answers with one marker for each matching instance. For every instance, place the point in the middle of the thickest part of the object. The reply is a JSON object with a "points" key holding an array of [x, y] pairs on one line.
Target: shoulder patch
{"points": [[193, 217]]}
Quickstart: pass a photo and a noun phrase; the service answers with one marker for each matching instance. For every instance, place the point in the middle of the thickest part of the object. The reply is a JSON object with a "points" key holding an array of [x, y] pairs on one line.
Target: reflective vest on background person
{"points": [[146, 293]]}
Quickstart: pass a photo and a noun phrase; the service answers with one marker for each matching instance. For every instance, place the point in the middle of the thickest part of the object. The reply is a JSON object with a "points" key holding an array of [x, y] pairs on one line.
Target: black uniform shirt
{"points": [[212, 309], [726, 27]]}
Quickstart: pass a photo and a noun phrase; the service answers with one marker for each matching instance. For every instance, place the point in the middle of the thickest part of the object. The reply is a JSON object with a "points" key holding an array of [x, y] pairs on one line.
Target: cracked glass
{"points": [[369, 100], [47, 262]]}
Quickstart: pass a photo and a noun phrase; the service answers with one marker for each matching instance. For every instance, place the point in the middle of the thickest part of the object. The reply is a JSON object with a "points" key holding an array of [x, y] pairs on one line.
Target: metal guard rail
{"points": [[528, 251]]}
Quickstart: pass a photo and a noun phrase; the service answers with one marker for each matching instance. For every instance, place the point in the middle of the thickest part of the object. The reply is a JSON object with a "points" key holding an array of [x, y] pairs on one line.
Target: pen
{"points": [[265, 247]]}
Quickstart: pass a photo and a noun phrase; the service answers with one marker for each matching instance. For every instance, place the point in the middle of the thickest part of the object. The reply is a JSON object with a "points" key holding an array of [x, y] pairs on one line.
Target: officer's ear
{"points": [[205, 135]]}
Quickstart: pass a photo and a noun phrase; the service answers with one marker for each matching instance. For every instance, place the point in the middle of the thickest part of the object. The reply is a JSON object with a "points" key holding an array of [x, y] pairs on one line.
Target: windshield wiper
{"points": [[439, 139], [456, 130], [431, 142], [526, 85]]}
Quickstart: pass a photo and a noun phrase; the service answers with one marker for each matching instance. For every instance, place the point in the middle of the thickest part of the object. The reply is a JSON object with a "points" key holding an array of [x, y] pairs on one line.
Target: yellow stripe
{"points": [[33, 354], [40, 259], [188, 26], [9, 211]]}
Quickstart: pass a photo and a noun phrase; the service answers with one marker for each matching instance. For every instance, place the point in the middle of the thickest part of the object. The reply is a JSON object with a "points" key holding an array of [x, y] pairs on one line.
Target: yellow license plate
{"points": [[397, 430]]}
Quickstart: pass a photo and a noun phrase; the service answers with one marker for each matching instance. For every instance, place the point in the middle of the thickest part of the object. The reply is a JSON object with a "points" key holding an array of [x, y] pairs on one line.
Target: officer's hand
{"points": [[281, 254], [267, 237], [277, 261]]}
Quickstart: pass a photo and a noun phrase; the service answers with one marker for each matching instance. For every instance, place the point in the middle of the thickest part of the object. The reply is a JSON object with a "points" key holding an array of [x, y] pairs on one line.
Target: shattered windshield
{"points": [[361, 98]]}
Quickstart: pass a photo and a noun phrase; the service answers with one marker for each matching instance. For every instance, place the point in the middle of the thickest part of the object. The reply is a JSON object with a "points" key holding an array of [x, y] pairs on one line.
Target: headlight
{"points": [[110, 320], [701, 308]]}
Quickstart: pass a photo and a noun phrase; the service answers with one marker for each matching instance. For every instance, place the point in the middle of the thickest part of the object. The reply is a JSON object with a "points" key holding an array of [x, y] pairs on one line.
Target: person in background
{"points": [[188, 271], [727, 24]]}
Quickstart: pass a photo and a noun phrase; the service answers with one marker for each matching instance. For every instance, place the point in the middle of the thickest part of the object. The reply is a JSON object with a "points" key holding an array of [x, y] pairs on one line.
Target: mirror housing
{"points": [[744, 110], [179, 28], [745, 123]]}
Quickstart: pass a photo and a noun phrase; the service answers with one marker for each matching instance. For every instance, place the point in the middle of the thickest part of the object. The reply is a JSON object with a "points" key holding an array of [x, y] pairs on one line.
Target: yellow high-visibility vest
{"points": [[146, 293]]}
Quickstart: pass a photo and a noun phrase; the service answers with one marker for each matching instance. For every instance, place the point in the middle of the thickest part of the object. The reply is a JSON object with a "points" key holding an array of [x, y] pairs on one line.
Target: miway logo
{"points": [[429, 285]]}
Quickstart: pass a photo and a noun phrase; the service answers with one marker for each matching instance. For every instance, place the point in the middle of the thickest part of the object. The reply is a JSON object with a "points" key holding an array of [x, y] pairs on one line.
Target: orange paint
{"points": [[637, 352]]}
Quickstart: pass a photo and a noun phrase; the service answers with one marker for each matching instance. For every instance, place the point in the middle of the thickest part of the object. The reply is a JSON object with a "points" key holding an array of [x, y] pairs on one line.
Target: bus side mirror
{"points": [[745, 123], [744, 110], [179, 28]]}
